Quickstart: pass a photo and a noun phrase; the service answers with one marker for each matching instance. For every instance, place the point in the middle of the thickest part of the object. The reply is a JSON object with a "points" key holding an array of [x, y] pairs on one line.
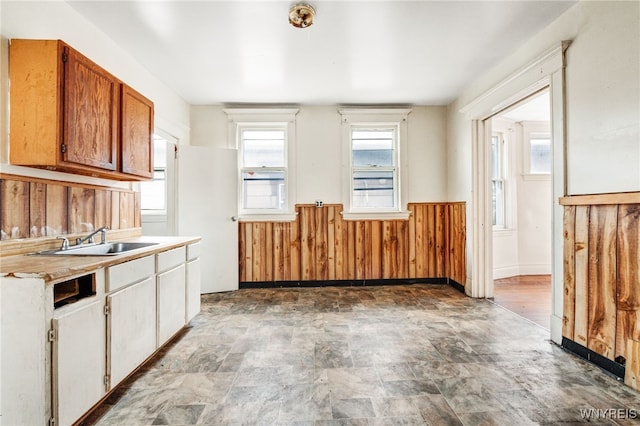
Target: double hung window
{"points": [[498, 181], [374, 168], [374, 160], [263, 168], [264, 139]]}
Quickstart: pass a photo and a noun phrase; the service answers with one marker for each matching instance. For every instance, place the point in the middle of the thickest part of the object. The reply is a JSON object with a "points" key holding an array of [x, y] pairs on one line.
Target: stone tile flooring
{"points": [[391, 355]]}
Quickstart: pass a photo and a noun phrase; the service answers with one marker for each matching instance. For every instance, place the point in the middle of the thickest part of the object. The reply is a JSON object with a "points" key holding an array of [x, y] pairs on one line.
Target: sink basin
{"points": [[109, 249]]}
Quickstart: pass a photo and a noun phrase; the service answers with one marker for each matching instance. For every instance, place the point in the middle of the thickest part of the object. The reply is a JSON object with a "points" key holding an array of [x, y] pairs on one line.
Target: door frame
{"points": [[548, 69]]}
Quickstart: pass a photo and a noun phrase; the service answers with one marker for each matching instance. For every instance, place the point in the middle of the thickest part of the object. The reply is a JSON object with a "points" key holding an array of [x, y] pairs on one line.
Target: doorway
{"points": [[521, 164]]}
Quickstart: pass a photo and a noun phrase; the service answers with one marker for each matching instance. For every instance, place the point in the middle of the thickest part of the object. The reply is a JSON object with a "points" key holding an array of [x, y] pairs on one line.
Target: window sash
{"points": [[374, 159], [267, 190]]}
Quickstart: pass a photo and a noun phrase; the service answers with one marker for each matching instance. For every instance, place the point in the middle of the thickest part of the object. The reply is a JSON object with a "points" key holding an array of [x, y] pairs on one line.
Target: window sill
{"points": [[397, 215], [537, 176], [153, 217], [267, 217]]}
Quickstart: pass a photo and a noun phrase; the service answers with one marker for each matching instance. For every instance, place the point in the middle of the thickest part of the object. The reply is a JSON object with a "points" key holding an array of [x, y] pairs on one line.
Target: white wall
{"points": [[58, 20], [318, 150], [602, 94]]}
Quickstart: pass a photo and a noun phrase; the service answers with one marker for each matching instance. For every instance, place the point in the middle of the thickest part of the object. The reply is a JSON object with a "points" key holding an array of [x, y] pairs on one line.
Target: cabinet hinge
{"points": [[51, 335], [65, 56], [107, 382], [107, 310], [63, 148], [52, 422]]}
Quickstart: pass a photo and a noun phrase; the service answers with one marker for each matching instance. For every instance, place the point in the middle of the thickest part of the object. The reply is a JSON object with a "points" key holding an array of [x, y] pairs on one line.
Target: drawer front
{"points": [[193, 251], [171, 258], [130, 272]]}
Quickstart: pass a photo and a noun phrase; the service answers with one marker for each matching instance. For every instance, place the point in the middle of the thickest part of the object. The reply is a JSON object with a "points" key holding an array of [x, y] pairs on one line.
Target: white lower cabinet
{"points": [[171, 313], [78, 360], [64, 346], [132, 328]]}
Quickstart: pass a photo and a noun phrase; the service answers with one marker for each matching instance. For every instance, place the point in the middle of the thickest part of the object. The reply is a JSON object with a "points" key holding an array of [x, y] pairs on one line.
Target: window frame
{"points": [[502, 177], [268, 119], [162, 215], [386, 118], [535, 130]]}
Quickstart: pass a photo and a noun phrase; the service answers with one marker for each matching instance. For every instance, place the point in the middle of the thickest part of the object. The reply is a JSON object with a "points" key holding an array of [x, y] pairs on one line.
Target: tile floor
{"points": [[391, 355]]}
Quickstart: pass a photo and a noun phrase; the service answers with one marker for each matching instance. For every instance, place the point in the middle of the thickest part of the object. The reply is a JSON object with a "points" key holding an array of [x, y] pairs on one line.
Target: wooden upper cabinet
{"points": [[137, 133], [91, 108], [69, 114]]}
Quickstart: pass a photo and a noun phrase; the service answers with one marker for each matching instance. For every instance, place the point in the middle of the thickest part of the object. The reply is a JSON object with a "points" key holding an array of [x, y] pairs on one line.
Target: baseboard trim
{"points": [[605, 363], [346, 283], [455, 284]]}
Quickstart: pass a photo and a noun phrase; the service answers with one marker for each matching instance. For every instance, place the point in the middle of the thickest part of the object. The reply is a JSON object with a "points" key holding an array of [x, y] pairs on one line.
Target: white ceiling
{"points": [[357, 52]]}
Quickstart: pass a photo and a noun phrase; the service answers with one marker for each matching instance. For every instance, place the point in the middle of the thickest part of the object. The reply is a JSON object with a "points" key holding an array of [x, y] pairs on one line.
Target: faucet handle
{"points": [[65, 242]]}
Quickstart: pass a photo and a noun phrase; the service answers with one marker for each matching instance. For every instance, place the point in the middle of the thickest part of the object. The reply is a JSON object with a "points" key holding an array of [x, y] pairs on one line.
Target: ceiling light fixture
{"points": [[301, 15]]}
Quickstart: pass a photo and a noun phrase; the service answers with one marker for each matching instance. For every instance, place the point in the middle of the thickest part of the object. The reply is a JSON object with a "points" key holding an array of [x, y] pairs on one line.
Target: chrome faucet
{"points": [[89, 238]]}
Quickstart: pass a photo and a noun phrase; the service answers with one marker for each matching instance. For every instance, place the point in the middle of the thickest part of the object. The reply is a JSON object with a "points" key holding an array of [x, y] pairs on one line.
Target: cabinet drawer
{"points": [[130, 272], [170, 259], [193, 251]]}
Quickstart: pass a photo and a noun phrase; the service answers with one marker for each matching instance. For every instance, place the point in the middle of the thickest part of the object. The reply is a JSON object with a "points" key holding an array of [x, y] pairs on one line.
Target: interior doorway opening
{"points": [[521, 191]]}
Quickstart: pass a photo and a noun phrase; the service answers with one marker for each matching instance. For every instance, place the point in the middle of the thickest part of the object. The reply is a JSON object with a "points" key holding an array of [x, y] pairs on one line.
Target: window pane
{"points": [[540, 156], [153, 193], [372, 147], [263, 190], [263, 148], [498, 203], [373, 189], [495, 157]]}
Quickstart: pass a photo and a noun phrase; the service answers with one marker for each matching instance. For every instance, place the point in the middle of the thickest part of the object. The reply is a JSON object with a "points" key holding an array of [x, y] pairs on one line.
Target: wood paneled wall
{"points": [[602, 278], [321, 245], [32, 208]]}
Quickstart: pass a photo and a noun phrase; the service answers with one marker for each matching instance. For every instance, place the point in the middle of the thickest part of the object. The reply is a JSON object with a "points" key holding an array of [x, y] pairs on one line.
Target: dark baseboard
{"points": [[344, 283], [612, 367], [456, 285]]}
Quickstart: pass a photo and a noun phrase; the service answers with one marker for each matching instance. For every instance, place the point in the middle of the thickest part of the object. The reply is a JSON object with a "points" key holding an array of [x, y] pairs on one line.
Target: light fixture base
{"points": [[301, 15]]}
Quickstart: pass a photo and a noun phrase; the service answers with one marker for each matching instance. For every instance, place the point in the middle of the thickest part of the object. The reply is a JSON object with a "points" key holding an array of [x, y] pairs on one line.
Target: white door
{"points": [[207, 202]]}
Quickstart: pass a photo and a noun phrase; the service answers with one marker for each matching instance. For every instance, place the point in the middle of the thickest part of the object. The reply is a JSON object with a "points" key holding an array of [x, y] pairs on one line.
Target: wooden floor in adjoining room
{"points": [[527, 295]]}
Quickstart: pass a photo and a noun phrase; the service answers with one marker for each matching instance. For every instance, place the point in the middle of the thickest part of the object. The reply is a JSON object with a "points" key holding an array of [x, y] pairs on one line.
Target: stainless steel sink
{"points": [[108, 249]]}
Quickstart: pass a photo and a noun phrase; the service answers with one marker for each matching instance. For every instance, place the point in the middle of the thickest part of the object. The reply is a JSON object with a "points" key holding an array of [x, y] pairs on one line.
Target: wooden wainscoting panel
{"points": [[320, 245], [632, 370], [57, 210], [103, 208], [601, 276], [81, 209], [456, 257], [33, 208], [602, 280], [628, 268], [14, 217], [127, 212], [37, 209], [569, 297], [581, 255]]}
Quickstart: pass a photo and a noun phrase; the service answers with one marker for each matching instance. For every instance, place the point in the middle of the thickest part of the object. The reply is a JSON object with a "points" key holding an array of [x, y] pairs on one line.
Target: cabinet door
{"points": [[91, 105], [171, 303], [193, 289], [131, 328], [137, 133], [79, 361]]}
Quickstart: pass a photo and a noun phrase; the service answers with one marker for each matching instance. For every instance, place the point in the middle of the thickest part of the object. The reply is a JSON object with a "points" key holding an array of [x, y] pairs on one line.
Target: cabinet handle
{"points": [[234, 218]]}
